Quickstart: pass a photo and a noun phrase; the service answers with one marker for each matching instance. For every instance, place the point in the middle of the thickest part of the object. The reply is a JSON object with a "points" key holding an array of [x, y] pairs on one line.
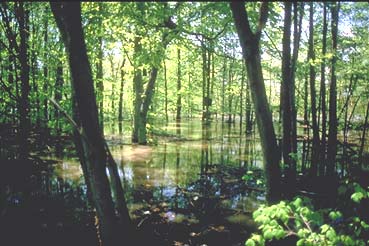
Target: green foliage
{"points": [[253, 178], [298, 218]]}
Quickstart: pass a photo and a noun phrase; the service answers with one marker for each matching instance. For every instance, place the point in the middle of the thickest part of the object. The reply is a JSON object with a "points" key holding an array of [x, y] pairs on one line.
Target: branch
{"points": [[263, 17], [240, 15], [74, 124], [273, 44], [8, 90]]}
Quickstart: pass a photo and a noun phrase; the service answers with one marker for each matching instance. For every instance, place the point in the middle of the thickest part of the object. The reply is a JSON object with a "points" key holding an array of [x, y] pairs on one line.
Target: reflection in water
{"points": [[198, 180], [171, 166]]}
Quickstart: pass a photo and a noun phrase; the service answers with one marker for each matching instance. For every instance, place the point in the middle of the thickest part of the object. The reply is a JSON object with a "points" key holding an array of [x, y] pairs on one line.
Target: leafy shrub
{"points": [[298, 219]]}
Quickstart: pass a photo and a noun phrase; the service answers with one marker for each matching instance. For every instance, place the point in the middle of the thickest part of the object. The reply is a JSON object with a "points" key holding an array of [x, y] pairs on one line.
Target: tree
{"points": [[24, 107], [250, 42], [312, 75], [68, 19], [332, 133]]}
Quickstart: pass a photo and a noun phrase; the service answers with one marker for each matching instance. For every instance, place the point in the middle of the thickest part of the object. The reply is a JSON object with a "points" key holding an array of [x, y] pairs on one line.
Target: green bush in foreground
{"points": [[298, 219]]}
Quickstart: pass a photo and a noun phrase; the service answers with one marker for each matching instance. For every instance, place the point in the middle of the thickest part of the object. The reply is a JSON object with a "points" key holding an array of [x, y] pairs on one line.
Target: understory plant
{"points": [[297, 220]]}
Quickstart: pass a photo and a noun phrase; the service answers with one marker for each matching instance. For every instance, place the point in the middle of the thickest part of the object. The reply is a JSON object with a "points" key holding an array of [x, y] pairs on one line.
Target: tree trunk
{"points": [[166, 92], [251, 53], [45, 73], [99, 70], [24, 107], [223, 87], [311, 55], [362, 142], [68, 19], [179, 96], [323, 144], [139, 128], [120, 103], [58, 96], [203, 52], [286, 89], [332, 133]]}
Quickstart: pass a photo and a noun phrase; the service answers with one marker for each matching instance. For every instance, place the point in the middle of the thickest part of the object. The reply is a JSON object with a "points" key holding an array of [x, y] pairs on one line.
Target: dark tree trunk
{"points": [[58, 96], [24, 107], [332, 133], [323, 144], [45, 73], [68, 19], [312, 75], [241, 97], [361, 150], [99, 71], [286, 92], [251, 53]]}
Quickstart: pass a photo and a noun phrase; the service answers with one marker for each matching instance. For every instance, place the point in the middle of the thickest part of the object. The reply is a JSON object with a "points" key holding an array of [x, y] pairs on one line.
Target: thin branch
{"points": [[273, 44], [8, 90], [69, 118], [263, 17]]}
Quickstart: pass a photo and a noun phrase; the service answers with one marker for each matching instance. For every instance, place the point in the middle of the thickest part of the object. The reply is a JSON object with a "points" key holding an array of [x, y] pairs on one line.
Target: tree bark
{"points": [[332, 133], [68, 19], [179, 97], [251, 53], [24, 107], [312, 75], [99, 70], [323, 143], [120, 103]]}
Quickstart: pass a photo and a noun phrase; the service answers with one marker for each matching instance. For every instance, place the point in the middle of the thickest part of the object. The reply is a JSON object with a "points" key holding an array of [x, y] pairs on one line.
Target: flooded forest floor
{"points": [[180, 191]]}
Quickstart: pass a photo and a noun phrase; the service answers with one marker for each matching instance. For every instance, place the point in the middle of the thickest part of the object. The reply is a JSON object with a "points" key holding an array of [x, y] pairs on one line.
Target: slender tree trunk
{"points": [[251, 53], [58, 96], [68, 19], [289, 144], [203, 52], [120, 103], [323, 145], [241, 96], [363, 136], [24, 109], [223, 87], [179, 96], [208, 96], [332, 133], [45, 72], [286, 90], [165, 92], [99, 71], [229, 89], [311, 55], [248, 110]]}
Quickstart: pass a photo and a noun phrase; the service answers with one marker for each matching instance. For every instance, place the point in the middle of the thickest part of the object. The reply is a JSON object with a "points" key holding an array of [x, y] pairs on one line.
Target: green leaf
{"points": [[250, 242], [269, 234], [357, 196]]}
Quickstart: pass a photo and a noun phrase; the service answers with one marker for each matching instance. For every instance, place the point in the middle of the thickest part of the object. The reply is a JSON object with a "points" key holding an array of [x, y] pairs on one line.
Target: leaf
{"points": [[250, 242], [268, 234], [357, 196]]}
